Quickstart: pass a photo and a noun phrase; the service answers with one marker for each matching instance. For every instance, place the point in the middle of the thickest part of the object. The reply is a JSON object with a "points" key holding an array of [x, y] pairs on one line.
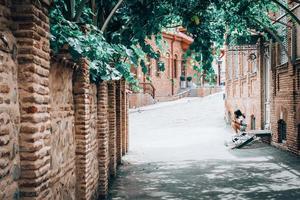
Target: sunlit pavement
{"points": [[177, 152]]}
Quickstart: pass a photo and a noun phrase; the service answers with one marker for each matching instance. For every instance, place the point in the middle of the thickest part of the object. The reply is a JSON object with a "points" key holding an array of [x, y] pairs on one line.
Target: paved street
{"points": [[177, 152]]}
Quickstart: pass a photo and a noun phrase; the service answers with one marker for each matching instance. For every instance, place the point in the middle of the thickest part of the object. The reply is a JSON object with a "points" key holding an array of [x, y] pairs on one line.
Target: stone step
{"points": [[260, 133]]}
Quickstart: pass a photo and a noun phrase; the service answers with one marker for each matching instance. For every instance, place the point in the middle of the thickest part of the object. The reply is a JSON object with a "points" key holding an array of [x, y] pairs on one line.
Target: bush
{"points": [[182, 78], [189, 78]]}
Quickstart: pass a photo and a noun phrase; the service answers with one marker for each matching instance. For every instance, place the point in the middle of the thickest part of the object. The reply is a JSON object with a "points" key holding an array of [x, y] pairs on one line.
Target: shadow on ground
{"points": [[273, 174]]}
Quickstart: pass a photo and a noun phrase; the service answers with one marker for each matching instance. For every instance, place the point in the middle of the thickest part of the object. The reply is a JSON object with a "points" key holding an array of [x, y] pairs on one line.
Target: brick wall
{"points": [[112, 127], [167, 83], [62, 131], [31, 26], [55, 128], [103, 139], [124, 116], [243, 83], [285, 92], [119, 116], [9, 109]]}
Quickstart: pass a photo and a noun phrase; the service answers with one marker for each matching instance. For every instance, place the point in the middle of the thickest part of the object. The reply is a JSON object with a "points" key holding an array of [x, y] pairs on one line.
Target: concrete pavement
{"points": [[177, 152]]}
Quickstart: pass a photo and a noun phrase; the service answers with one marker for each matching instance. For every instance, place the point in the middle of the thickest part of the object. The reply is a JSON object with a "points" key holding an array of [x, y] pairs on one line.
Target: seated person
{"points": [[238, 123]]}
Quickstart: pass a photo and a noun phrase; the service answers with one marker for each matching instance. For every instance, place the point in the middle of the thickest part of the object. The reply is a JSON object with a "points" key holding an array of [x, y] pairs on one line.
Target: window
{"points": [[296, 44], [149, 71], [244, 63], [297, 35], [229, 64], [283, 30], [175, 66], [157, 61], [183, 70], [167, 64], [253, 61], [236, 64], [253, 122], [281, 131]]}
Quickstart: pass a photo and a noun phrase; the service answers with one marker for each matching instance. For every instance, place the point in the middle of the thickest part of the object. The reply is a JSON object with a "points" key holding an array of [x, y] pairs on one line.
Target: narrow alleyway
{"points": [[177, 152]]}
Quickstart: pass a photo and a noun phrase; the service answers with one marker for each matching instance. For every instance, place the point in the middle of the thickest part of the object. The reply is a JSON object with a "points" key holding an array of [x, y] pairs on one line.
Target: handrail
{"points": [[148, 88]]}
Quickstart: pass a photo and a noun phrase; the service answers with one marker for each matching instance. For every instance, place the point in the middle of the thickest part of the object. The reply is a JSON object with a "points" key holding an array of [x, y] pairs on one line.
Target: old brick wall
{"points": [[137, 100], [243, 83], [85, 99], [112, 127], [119, 121], [63, 179], [103, 139], [285, 91], [58, 131], [9, 108], [31, 27]]}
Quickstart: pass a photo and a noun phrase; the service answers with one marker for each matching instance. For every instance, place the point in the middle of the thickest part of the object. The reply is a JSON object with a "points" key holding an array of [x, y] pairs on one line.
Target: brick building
{"points": [[273, 89], [285, 85], [243, 80], [164, 85]]}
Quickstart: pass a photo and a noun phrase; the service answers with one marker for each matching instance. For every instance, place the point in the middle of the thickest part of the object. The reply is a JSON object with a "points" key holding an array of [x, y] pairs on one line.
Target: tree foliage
{"points": [[126, 24]]}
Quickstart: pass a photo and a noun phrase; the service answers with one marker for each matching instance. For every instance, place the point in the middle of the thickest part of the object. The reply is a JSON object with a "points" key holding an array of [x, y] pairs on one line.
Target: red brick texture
{"points": [[285, 104], [285, 91], [9, 109], [124, 116], [119, 102], [167, 83], [86, 144], [112, 127], [58, 131], [103, 139], [31, 30]]}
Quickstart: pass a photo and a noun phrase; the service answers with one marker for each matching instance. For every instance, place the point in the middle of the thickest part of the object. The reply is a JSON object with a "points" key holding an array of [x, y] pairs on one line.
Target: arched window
{"points": [[183, 71], [149, 70], [157, 64], [281, 131], [175, 66], [253, 122], [236, 64], [229, 64], [167, 65]]}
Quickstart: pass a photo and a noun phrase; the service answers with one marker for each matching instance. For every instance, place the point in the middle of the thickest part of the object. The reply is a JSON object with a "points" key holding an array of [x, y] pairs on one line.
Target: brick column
{"points": [[112, 127], [82, 115], [119, 121], [32, 33], [123, 89], [103, 139]]}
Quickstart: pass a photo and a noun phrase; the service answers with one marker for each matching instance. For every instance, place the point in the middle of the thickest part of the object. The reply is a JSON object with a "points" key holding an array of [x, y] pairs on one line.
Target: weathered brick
{"points": [[4, 89]]}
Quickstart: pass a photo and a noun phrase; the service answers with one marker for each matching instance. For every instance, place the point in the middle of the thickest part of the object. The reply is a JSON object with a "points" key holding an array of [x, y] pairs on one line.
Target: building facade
{"points": [[164, 85], [243, 82], [285, 84], [269, 91]]}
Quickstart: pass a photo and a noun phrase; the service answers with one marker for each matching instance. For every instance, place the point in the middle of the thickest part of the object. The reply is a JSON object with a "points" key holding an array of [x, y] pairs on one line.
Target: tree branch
{"points": [[276, 38], [71, 7], [110, 15], [80, 10], [287, 10]]}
